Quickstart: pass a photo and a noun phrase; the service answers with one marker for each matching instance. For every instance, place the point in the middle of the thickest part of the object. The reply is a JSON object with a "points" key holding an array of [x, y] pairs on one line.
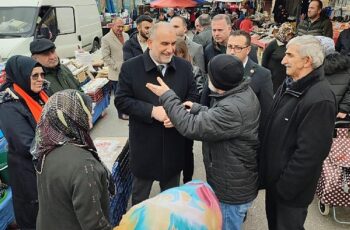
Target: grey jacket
{"points": [[229, 131], [73, 191], [204, 37], [197, 54]]}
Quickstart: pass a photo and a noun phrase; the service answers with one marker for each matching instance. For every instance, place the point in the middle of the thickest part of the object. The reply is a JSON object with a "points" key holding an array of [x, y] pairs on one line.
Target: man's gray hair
{"points": [[309, 46], [204, 20], [222, 17], [155, 27]]}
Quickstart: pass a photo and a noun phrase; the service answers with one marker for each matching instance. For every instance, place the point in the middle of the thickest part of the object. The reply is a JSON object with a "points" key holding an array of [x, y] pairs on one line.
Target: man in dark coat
{"points": [[239, 45], [137, 44], [60, 77], [297, 136], [260, 77], [221, 29], [316, 24], [156, 148]]}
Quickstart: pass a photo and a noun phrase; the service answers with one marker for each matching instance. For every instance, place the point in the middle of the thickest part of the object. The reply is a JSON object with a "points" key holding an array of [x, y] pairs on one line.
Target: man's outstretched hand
{"points": [[160, 89]]}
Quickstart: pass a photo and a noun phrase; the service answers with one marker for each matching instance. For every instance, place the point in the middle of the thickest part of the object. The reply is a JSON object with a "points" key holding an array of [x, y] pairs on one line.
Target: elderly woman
{"points": [[337, 72], [72, 181], [21, 101], [274, 53]]}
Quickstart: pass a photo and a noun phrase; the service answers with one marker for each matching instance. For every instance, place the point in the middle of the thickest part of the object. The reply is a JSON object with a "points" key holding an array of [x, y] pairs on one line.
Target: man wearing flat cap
{"points": [[229, 132], [60, 77]]}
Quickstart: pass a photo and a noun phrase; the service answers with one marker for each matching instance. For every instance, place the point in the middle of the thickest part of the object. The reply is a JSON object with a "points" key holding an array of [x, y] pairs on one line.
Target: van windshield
{"points": [[17, 21]]}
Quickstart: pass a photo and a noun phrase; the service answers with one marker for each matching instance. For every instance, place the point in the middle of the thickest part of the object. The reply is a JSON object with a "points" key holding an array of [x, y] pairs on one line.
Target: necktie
{"points": [[160, 69]]}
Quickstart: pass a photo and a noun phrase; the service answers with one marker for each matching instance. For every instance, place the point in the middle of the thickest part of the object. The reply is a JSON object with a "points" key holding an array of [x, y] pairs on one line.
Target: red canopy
{"points": [[173, 3]]}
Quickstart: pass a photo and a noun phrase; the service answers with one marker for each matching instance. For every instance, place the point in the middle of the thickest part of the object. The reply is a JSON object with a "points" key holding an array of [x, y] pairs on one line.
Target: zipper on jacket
{"points": [[210, 159]]}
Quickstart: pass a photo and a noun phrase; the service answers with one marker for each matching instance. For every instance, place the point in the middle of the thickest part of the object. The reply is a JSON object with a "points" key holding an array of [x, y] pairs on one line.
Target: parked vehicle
{"points": [[69, 23]]}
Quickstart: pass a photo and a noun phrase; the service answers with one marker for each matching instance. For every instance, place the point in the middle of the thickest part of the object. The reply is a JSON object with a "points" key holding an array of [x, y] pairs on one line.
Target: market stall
{"points": [[7, 215]]}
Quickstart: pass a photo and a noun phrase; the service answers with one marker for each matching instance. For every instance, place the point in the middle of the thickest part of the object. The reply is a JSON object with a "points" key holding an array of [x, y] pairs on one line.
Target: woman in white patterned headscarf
{"points": [[274, 53]]}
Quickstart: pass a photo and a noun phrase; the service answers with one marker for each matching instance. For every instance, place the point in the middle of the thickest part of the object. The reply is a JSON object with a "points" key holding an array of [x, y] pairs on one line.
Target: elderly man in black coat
{"points": [[156, 148], [297, 135]]}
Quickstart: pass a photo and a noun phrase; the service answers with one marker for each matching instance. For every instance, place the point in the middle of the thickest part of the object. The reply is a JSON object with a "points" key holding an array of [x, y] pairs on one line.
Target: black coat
{"points": [[261, 83], [132, 47], [272, 57], [157, 153], [337, 69], [18, 126], [297, 138], [343, 42]]}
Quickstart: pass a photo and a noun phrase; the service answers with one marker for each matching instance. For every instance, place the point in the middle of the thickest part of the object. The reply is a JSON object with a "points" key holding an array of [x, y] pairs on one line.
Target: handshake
{"points": [[160, 115], [158, 112]]}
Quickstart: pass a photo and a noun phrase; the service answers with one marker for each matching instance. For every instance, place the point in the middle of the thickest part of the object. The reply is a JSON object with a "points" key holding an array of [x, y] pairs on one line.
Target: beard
{"points": [[143, 35]]}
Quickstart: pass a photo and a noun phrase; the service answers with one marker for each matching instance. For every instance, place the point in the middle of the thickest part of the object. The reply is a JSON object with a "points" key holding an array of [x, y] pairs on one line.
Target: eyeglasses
{"points": [[36, 76], [237, 49]]}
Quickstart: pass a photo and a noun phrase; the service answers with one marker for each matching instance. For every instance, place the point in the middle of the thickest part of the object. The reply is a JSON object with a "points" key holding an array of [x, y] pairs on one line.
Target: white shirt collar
{"points": [[245, 62], [157, 64]]}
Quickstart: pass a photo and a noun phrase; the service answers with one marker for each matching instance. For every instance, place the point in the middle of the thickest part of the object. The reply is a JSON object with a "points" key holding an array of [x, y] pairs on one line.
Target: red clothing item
{"points": [[246, 25]]}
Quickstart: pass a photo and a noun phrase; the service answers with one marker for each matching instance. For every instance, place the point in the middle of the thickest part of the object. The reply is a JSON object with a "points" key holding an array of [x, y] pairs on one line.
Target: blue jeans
{"points": [[233, 215]]}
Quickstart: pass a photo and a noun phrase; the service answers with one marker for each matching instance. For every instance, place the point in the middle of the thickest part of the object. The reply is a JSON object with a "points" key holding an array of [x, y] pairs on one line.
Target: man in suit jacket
{"points": [[112, 53], [196, 50], [157, 150], [239, 44], [221, 29]]}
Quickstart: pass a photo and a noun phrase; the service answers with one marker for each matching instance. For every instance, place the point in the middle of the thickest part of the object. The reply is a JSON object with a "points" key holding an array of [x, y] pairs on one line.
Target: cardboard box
{"points": [[109, 148]]}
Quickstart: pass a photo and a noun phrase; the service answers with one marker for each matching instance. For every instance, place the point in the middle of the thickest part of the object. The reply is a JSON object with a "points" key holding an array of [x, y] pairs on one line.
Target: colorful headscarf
{"points": [[284, 32], [65, 119], [192, 206]]}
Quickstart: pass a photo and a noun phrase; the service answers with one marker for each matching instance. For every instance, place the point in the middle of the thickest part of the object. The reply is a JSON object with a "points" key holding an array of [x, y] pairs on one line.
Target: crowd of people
{"points": [[265, 126]]}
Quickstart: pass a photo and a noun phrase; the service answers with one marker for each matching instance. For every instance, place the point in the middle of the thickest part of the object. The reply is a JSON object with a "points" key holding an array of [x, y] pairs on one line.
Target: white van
{"points": [[69, 23]]}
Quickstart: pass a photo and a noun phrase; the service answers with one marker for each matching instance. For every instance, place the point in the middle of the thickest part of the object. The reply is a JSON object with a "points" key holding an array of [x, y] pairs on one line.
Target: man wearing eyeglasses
{"points": [[60, 77], [221, 29], [239, 45]]}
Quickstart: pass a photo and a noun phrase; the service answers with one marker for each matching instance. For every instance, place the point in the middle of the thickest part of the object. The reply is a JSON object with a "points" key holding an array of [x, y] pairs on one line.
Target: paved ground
{"points": [[110, 126]]}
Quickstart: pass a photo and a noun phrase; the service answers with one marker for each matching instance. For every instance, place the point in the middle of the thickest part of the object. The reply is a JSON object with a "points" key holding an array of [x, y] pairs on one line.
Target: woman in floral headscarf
{"points": [[21, 100], [274, 53], [72, 182]]}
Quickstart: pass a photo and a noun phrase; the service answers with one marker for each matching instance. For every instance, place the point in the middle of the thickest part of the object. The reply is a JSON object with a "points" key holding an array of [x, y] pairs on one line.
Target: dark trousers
{"points": [[141, 188], [113, 86], [26, 213], [283, 217], [189, 162]]}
